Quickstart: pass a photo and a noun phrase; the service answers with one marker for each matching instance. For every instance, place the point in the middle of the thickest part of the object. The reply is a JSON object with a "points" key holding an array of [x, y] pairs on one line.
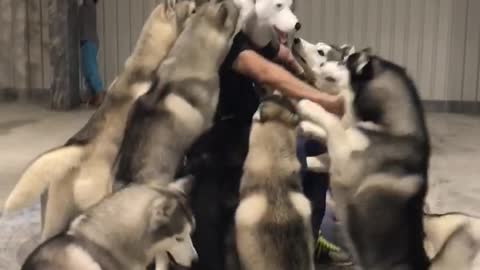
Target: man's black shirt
{"points": [[238, 97]]}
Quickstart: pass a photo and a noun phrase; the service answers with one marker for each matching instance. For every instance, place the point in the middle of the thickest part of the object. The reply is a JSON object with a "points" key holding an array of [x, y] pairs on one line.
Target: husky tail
{"points": [[52, 166], [452, 240], [458, 252]]}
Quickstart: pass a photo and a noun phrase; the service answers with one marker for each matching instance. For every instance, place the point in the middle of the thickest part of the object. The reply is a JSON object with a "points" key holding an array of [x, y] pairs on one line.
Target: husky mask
{"points": [[277, 13]]}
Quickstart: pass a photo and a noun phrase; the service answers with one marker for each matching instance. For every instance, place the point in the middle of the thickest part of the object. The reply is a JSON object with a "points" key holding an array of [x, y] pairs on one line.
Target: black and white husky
{"points": [[379, 170]]}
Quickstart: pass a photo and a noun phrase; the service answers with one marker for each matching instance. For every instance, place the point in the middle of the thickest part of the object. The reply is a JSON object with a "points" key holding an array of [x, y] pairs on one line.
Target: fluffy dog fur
{"points": [[272, 221], [181, 104], [452, 240], [79, 174], [325, 69]]}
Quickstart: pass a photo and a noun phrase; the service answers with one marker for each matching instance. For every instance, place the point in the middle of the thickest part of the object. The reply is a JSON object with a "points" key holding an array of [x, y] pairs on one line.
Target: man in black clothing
{"points": [[217, 157]]}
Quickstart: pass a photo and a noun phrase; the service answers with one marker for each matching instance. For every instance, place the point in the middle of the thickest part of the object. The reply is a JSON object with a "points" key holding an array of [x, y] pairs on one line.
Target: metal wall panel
{"points": [[472, 52], [119, 25], [438, 41]]}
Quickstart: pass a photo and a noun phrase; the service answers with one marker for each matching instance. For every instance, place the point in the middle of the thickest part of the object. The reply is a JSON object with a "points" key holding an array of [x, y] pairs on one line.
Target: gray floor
{"points": [[27, 130]]}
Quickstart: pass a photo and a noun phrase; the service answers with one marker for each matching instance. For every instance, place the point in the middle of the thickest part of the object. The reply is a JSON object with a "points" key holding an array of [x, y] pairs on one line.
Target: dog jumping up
{"points": [[379, 170], [79, 173], [180, 105]]}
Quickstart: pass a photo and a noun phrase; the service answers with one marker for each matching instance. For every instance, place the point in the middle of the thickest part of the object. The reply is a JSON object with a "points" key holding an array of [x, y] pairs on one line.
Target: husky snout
{"points": [[298, 26], [184, 253], [330, 79]]}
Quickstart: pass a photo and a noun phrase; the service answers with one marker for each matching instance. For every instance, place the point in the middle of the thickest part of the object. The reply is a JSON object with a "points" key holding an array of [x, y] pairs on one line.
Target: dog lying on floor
{"points": [[79, 174], [125, 231]]}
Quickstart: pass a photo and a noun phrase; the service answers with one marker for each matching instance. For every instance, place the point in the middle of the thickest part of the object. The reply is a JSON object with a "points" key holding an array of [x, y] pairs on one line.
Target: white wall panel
{"points": [[470, 76], [438, 41], [119, 25]]}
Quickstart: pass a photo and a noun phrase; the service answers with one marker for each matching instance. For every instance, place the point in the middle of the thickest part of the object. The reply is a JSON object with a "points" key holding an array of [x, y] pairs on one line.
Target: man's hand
{"points": [[331, 103], [286, 57], [254, 66]]}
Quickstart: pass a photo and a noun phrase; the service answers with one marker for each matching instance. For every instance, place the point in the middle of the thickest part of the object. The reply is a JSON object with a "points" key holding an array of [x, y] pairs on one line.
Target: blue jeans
{"points": [[88, 50], [315, 185]]}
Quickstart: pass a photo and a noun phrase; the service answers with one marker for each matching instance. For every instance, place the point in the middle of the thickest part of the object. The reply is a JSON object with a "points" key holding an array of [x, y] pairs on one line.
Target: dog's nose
{"points": [[298, 26], [296, 40], [330, 79]]}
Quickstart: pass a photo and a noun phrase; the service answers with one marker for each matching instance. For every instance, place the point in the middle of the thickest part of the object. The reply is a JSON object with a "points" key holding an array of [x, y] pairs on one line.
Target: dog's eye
{"points": [[321, 52], [193, 11], [279, 5], [179, 239], [322, 64]]}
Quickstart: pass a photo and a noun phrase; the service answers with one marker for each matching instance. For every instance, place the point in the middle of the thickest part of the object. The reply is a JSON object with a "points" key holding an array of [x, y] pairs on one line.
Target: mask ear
{"points": [[183, 184], [161, 212]]}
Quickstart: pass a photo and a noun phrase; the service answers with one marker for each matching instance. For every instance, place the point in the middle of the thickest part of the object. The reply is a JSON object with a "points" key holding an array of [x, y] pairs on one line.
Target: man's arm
{"points": [[286, 58], [253, 65]]}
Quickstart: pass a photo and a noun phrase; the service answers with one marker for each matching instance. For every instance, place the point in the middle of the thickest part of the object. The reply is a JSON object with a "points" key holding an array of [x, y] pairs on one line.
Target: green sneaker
{"points": [[328, 253]]}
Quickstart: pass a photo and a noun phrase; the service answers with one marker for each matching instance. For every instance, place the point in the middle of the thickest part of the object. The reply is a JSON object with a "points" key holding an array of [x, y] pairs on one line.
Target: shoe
{"points": [[330, 254], [97, 99]]}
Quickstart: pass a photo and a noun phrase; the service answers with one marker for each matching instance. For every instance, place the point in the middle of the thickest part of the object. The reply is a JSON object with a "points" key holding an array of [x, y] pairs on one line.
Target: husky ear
{"points": [[363, 60], [161, 211], [347, 50], [358, 62], [184, 184]]}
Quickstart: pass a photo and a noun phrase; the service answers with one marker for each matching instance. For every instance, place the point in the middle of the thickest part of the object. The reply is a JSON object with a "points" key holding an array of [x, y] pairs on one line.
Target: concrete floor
{"points": [[28, 130]]}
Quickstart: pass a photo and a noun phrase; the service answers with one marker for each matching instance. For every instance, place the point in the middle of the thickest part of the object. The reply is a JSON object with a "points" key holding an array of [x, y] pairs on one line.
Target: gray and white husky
{"points": [[125, 231], [379, 170], [272, 221], [79, 173], [181, 104]]}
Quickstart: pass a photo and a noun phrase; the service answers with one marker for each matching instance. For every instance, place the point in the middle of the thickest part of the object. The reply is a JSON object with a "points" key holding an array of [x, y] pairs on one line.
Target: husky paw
{"points": [[308, 109], [319, 163], [161, 261], [310, 130]]}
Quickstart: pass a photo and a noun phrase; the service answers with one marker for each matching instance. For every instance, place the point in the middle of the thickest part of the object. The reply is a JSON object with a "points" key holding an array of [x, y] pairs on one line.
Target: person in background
{"points": [[88, 50]]}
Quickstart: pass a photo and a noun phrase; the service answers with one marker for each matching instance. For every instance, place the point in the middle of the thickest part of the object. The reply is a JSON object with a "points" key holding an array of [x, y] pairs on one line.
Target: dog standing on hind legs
{"points": [[181, 104], [79, 173], [272, 221], [379, 171]]}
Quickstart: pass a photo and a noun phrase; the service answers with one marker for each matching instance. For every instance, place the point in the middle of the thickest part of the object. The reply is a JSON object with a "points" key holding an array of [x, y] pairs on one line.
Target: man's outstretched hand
{"points": [[332, 103]]}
